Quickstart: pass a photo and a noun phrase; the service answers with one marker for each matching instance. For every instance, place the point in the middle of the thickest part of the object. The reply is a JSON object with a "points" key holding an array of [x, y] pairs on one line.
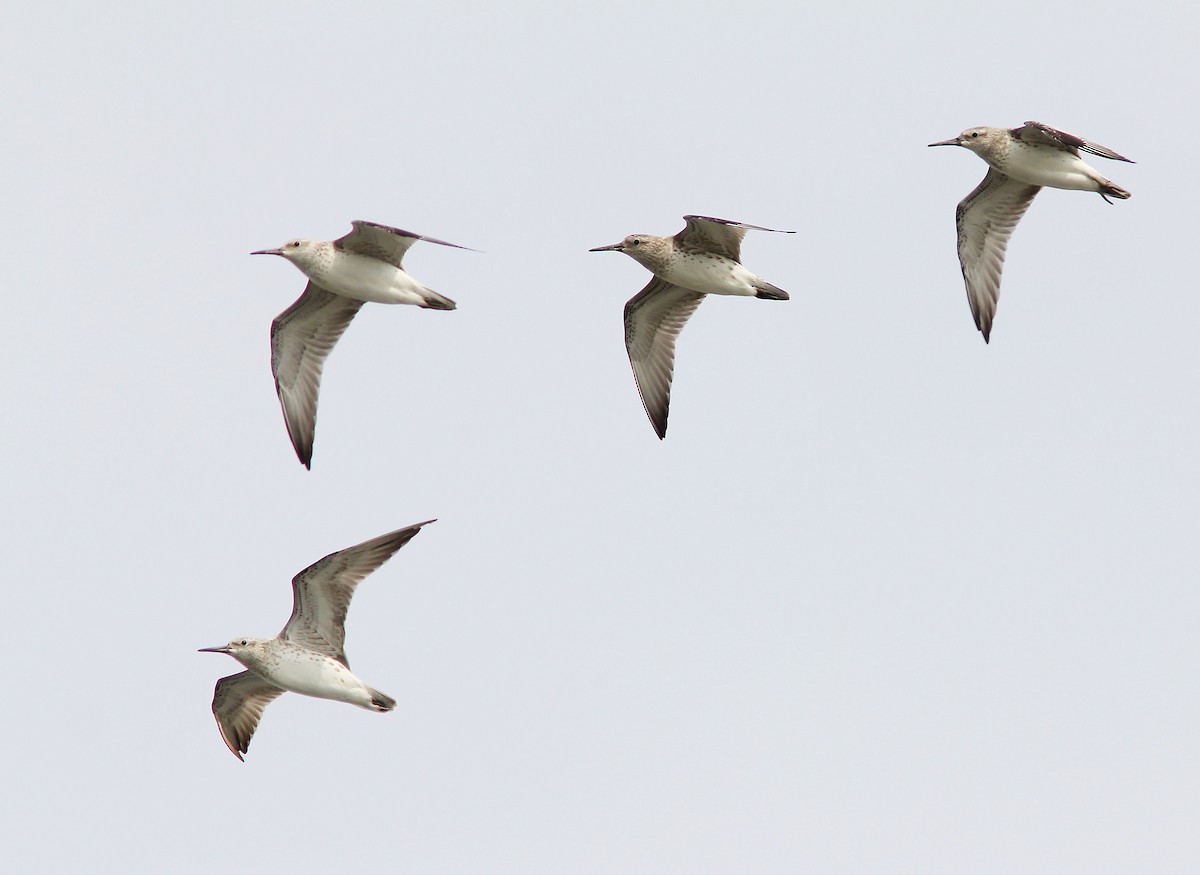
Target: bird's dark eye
{"points": [[635, 242], [974, 134], [242, 642]]}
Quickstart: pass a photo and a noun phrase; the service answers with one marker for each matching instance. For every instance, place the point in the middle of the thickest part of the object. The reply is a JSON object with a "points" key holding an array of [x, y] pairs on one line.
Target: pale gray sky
{"points": [[886, 600]]}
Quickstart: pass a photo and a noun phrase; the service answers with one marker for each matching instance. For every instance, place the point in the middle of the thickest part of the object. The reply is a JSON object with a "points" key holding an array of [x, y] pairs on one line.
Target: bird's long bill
{"points": [[268, 252], [616, 247], [953, 141], [224, 648]]}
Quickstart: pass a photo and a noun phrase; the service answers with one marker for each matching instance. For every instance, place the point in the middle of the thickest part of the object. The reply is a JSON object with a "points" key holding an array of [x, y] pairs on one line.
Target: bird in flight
{"points": [[343, 274], [1021, 161], [702, 259], [309, 655]]}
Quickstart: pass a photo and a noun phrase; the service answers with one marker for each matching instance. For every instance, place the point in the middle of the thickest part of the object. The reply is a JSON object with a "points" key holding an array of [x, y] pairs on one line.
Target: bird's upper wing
{"points": [[653, 319], [380, 241], [321, 593], [302, 337], [1036, 132], [238, 704], [986, 218], [717, 235]]}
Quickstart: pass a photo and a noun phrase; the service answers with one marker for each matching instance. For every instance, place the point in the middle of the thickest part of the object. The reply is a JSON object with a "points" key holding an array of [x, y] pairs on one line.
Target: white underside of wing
{"points": [[301, 339], [238, 703], [653, 320], [322, 592], [986, 219]]}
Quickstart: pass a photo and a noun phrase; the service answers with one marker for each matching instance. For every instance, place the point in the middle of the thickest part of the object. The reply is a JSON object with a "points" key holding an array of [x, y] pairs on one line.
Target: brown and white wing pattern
{"points": [[321, 593], [986, 219], [302, 336], [721, 236], [238, 704], [1036, 132], [653, 319], [380, 241]]}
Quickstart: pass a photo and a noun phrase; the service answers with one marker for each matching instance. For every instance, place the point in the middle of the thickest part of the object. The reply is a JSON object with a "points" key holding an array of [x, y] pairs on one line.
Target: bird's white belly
{"points": [[1049, 167], [369, 279], [710, 275], [321, 677]]}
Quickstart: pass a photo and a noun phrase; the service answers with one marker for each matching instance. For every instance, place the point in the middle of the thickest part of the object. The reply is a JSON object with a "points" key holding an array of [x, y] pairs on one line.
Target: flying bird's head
{"points": [[244, 650], [978, 140], [302, 253], [646, 249]]}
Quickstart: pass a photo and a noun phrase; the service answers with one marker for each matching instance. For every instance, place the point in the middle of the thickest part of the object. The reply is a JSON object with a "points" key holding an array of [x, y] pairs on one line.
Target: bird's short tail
{"points": [[382, 702], [1110, 189], [772, 293], [434, 301]]}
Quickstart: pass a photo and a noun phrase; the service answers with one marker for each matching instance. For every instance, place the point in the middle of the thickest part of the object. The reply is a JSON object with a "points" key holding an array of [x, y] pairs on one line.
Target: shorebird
{"points": [[309, 655], [342, 274], [1021, 161], [702, 259]]}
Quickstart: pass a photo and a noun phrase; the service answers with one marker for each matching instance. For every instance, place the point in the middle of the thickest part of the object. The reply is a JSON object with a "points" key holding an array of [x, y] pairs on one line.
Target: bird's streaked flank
{"points": [[1021, 162], [309, 655], [702, 259], [343, 274]]}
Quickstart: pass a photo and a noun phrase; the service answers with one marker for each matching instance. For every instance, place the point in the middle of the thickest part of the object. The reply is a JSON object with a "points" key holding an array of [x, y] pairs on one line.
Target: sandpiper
{"points": [[342, 274], [1021, 162], [702, 259], [308, 656]]}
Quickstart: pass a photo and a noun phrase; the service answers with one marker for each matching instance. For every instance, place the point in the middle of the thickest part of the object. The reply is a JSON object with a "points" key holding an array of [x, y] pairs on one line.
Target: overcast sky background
{"points": [[887, 599]]}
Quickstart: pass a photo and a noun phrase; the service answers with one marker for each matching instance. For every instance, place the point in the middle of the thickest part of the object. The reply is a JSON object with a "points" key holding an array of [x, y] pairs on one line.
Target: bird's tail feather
{"points": [[382, 701], [1108, 187], [772, 293], [434, 301]]}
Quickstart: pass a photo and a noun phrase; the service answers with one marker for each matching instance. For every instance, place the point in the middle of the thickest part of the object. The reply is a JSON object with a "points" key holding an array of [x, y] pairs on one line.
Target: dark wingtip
{"points": [[303, 453]]}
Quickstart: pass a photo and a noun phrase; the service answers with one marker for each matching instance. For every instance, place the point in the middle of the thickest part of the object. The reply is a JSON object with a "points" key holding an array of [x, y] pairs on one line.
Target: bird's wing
{"points": [[321, 593], [302, 336], [1036, 132], [382, 242], [986, 219], [653, 319], [717, 235], [238, 704]]}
